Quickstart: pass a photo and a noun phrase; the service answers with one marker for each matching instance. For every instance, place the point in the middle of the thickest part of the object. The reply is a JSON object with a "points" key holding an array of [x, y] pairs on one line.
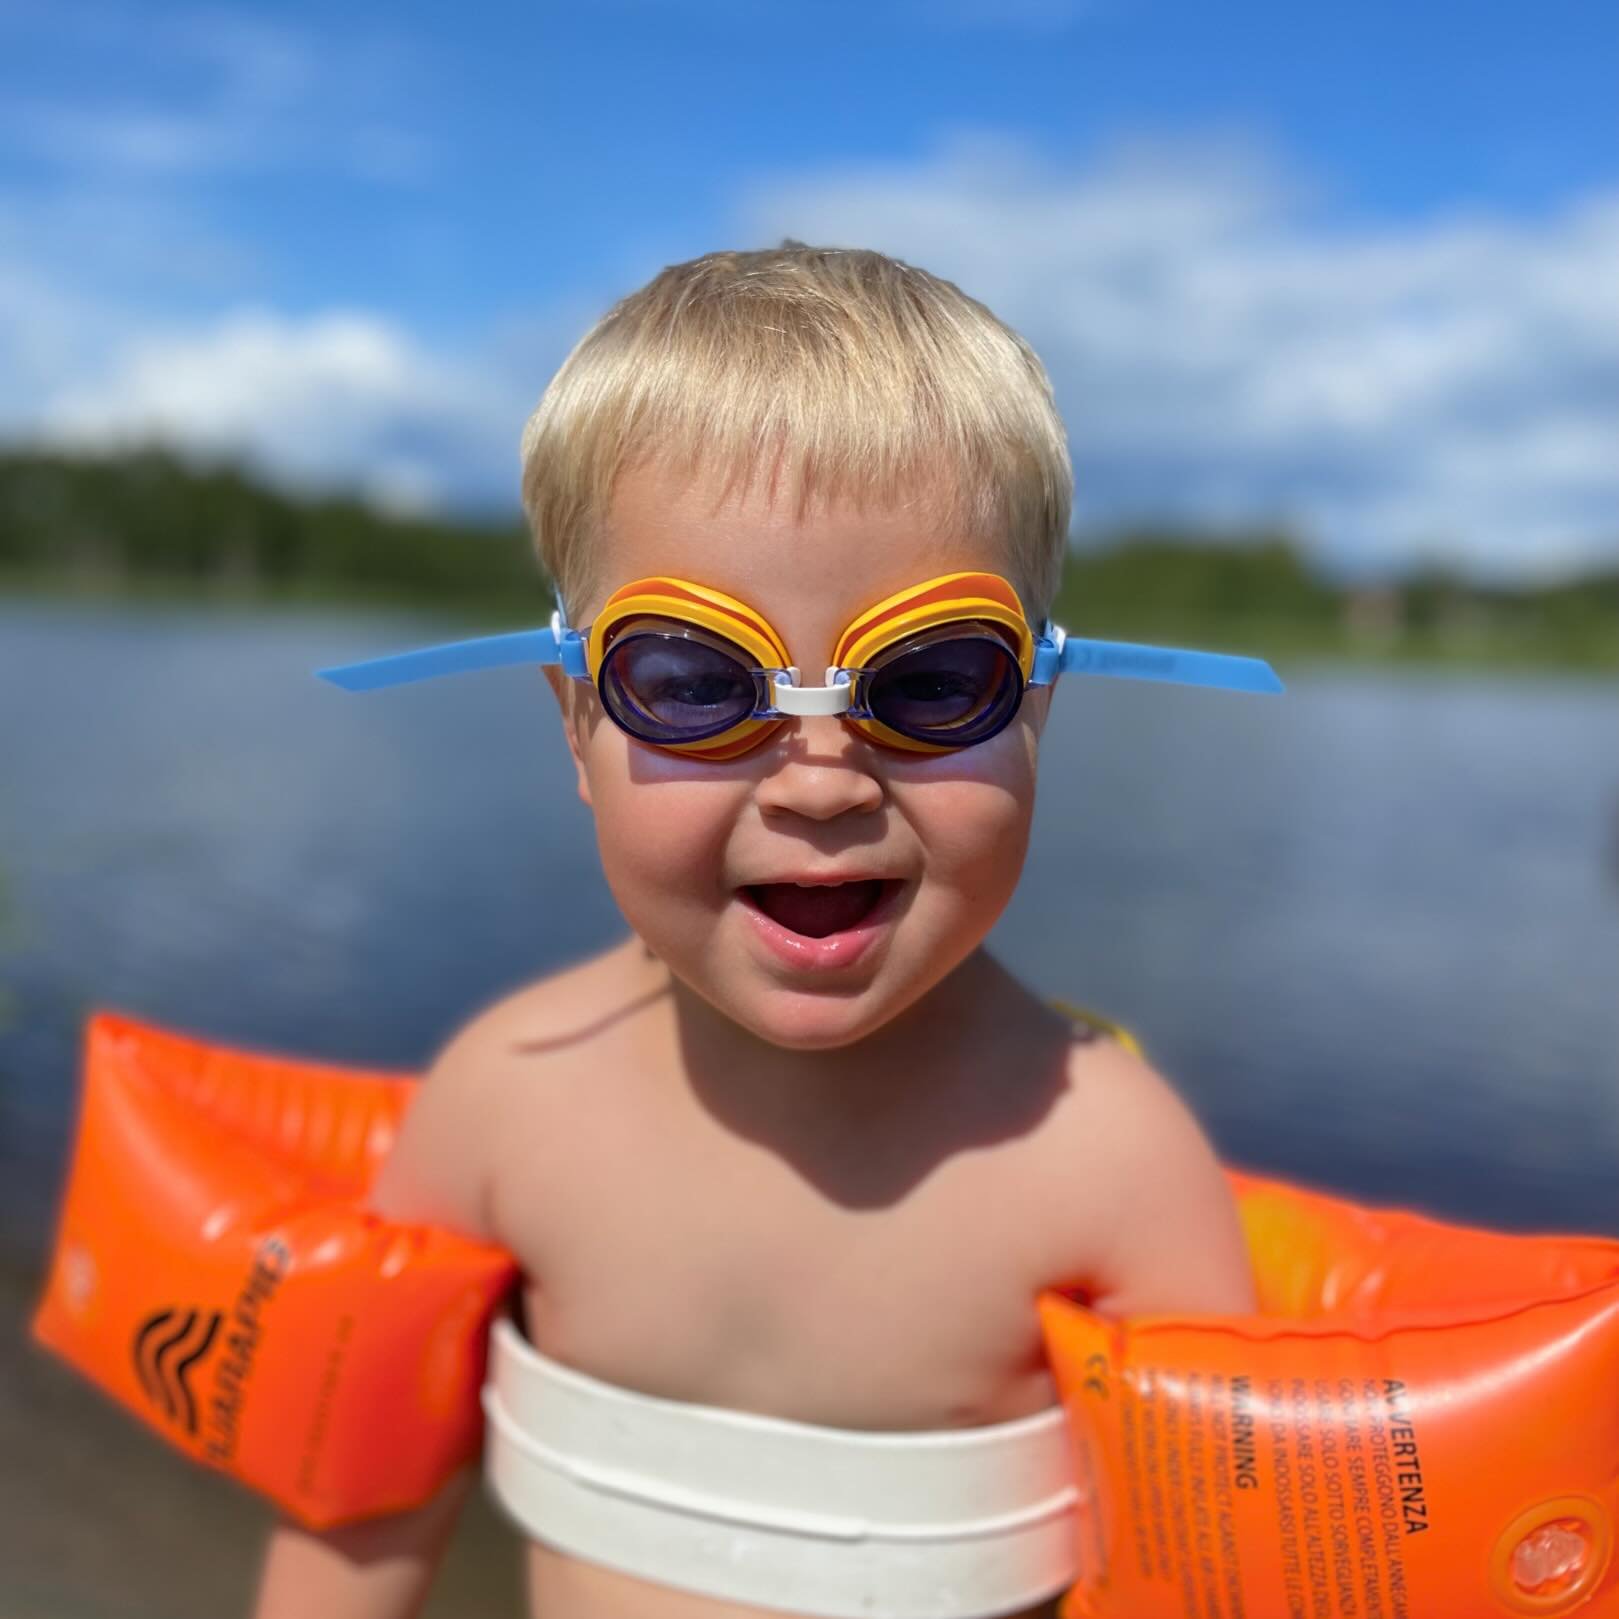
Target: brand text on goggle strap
{"points": [[1120, 658]]}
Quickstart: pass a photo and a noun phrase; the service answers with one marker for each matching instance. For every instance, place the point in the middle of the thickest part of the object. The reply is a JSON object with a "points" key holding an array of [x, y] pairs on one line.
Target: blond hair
{"points": [[854, 374]]}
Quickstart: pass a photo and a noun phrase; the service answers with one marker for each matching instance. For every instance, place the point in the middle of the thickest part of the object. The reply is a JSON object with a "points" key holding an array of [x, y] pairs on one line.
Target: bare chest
{"points": [[895, 1294]]}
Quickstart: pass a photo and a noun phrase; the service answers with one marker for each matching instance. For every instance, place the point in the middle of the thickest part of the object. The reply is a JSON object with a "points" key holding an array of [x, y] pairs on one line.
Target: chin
{"points": [[799, 1021]]}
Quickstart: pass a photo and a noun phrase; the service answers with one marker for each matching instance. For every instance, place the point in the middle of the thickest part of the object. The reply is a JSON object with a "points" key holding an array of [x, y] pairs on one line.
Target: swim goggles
{"points": [[937, 667]]}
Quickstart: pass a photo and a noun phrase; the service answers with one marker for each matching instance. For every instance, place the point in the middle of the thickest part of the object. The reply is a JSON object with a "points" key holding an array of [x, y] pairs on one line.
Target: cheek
{"points": [[972, 813], [662, 823], [976, 839]]}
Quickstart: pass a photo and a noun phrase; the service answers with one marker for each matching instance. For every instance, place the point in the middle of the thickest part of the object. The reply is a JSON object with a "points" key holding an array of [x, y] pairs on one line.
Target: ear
{"points": [[568, 694]]}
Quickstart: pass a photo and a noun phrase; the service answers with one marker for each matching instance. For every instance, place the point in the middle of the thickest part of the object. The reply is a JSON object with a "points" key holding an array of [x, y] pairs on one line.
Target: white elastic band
{"points": [[957, 1524]]}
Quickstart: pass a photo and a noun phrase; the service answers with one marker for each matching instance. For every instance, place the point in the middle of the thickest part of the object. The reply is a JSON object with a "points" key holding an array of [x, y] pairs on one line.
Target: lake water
{"points": [[1370, 929]]}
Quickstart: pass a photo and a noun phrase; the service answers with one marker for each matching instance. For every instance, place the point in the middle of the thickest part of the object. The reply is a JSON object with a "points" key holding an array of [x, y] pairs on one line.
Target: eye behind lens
{"points": [[952, 691], [669, 686]]}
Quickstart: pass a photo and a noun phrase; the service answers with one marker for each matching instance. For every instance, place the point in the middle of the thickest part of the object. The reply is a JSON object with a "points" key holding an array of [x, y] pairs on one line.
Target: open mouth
{"points": [[818, 910]]}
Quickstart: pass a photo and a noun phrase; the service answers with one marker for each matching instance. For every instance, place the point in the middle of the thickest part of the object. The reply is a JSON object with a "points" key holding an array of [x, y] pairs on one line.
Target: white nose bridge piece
{"points": [[835, 697]]}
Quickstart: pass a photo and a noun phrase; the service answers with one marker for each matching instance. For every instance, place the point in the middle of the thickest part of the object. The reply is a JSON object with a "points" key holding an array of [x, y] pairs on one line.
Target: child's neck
{"points": [[917, 1085]]}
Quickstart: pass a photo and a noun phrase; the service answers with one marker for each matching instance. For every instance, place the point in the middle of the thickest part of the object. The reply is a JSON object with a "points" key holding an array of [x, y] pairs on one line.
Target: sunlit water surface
{"points": [[1371, 929]]}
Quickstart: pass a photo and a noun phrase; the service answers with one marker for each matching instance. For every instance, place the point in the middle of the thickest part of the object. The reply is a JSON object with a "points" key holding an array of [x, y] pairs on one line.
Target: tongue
{"points": [[816, 912]]}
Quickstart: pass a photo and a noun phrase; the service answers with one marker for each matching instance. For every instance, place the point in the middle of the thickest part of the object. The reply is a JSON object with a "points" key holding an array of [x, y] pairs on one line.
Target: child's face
{"points": [[692, 850]]}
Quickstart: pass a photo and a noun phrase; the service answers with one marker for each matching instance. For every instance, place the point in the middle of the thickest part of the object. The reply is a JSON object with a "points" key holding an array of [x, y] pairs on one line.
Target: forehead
{"points": [[809, 573]]}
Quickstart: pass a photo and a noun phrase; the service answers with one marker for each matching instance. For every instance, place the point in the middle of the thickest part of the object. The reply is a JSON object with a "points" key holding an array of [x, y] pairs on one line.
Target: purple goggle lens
{"points": [[671, 685], [947, 688]]}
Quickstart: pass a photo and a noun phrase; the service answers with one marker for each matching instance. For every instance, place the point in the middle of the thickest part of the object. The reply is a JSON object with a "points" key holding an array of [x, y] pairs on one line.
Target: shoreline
{"points": [[1465, 652]]}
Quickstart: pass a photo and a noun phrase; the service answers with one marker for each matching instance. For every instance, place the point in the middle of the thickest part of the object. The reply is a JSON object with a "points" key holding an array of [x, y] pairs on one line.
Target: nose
{"points": [[820, 769]]}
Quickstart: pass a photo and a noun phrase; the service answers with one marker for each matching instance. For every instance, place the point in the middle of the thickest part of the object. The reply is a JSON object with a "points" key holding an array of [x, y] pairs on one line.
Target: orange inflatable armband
{"points": [[1421, 1422], [216, 1271]]}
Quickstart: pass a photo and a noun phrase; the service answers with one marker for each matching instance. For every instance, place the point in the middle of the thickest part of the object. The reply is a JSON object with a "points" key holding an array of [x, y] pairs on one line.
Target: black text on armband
{"points": [[1244, 1447], [1407, 1463]]}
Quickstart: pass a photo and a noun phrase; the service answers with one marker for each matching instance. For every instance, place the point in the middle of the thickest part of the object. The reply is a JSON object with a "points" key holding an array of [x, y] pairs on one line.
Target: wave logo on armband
{"points": [[169, 1343]]}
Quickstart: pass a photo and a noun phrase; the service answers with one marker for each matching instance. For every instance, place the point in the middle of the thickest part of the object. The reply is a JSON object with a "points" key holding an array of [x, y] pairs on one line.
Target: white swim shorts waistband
{"points": [[961, 1523]]}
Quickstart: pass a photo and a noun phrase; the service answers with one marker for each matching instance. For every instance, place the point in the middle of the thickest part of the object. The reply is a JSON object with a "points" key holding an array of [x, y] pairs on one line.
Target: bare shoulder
{"points": [[556, 1011], [1145, 1124], [442, 1164], [1162, 1223]]}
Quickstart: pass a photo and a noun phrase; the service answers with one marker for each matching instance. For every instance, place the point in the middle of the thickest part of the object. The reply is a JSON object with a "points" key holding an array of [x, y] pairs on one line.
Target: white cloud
{"points": [[1219, 345], [331, 399], [120, 326], [1223, 346]]}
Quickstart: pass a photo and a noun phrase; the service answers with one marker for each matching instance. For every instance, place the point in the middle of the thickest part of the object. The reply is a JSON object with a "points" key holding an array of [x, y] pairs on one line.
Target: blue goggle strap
{"points": [[558, 645], [1056, 652]]}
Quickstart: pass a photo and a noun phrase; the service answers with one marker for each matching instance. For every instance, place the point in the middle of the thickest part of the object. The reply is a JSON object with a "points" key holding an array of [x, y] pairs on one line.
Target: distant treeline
{"points": [[148, 517], [148, 522]]}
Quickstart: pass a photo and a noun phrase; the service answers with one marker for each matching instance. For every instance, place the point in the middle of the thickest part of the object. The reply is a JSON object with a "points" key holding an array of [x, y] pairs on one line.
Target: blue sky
{"points": [[1346, 267]]}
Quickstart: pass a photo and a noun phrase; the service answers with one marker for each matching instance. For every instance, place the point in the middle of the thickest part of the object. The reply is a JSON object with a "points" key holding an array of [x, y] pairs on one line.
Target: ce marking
{"points": [[1096, 1376]]}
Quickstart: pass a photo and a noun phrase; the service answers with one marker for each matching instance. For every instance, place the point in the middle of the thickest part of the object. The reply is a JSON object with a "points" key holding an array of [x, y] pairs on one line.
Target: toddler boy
{"points": [[799, 1148]]}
